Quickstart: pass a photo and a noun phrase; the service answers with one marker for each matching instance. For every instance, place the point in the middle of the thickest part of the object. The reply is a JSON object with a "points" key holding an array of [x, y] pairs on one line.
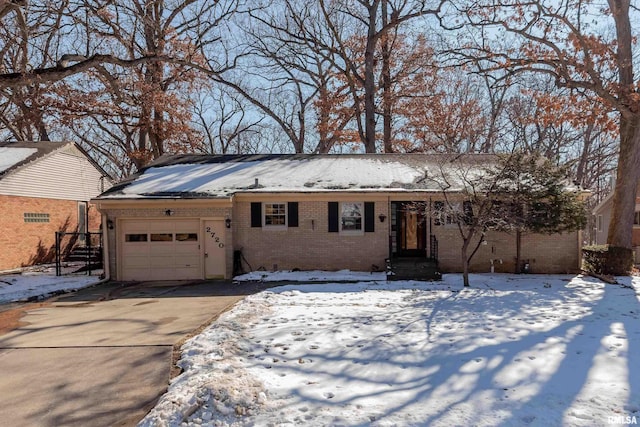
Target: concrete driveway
{"points": [[103, 355]]}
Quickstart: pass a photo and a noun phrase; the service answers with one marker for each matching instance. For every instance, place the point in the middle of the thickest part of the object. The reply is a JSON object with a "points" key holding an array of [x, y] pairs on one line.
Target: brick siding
{"points": [[549, 254], [310, 246], [23, 244]]}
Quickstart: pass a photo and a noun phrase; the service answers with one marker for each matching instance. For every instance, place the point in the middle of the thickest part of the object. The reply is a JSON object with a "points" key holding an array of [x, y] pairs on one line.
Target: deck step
{"points": [[413, 269], [84, 253]]}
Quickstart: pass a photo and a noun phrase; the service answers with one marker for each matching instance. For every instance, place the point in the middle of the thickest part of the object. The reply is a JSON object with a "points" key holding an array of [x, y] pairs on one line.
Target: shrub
{"points": [[609, 260]]}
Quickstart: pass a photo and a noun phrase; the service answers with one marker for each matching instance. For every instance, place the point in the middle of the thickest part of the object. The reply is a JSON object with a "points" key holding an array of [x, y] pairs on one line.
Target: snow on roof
{"points": [[10, 156], [198, 176]]}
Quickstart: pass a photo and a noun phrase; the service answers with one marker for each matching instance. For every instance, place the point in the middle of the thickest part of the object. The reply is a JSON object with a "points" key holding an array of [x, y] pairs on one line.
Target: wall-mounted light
{"points": [[168, 212], [382, 217], [227, 222], [110, 224]]}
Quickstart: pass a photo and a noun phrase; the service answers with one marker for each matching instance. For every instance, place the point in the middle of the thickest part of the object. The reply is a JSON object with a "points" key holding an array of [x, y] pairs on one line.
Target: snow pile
{"points": [[32, 284], [512, 350], [311, 276], [214, 382]]}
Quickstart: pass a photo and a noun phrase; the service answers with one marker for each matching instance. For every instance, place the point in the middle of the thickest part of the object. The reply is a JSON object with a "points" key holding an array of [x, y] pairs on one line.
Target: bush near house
{"points": [[609, 260]]}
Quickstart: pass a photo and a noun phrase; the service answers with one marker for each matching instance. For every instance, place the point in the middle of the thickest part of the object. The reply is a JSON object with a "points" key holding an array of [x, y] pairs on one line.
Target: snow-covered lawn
{"points": [[39, 282], [510, 351]]}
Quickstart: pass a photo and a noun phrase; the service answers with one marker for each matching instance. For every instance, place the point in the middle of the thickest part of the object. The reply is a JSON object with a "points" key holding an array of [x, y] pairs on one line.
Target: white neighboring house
{"points": [[602, 214], [44, 187]]}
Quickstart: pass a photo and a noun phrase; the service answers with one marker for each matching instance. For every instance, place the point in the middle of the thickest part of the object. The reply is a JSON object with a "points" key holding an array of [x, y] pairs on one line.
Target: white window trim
{"points": [[634, 218], [351, 232], [266, 226]]}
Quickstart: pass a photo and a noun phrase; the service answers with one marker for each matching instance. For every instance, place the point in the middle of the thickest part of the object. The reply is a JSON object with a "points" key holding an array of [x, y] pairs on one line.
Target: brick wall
{"points": [[23, 244], [556, 253], [310, 246]]}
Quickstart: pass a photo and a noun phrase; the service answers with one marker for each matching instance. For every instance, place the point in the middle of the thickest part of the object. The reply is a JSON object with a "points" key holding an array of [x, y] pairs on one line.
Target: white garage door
{"points": [[160, 249]]}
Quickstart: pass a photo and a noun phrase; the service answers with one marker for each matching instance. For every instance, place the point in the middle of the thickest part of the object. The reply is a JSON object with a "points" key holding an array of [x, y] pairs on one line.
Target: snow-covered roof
{"points": [[10, 156], [15, 155], [216, 176]]}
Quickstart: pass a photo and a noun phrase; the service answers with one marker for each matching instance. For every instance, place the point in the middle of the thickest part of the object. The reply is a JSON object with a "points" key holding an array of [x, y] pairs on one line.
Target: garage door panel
{"points": [[185, 261], [164, 255], [136, 262], [161, 261], [161, 274], [135, 249], [182, 248], [137, 274], [188, 273], [161, 249]]}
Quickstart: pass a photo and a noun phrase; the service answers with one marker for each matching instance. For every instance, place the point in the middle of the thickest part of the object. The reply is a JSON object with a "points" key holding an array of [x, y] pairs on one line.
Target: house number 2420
{"points": [[215, 237]]}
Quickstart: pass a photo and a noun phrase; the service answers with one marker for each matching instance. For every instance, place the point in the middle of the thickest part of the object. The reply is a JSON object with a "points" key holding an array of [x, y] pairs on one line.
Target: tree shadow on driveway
{"points": [[102, 355]]}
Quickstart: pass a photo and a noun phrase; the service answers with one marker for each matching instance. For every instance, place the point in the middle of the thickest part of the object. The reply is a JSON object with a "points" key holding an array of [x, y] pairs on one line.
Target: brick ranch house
{"points": [[184, 216], [44, 187], [602, 214]]}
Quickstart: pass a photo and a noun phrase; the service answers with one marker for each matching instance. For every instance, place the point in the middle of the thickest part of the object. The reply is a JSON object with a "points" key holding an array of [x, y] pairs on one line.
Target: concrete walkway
{"points": [[103, 355]]}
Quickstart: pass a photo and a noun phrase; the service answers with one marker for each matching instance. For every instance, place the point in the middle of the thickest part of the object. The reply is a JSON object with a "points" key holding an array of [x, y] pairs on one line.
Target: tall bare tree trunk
{"points": [[386, 82], [624, 196], [465, 262], [518, 251], [369, 81], [628, 174]]}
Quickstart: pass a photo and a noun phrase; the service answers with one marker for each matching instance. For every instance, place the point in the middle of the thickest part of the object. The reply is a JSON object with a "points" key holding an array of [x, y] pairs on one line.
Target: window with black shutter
{"points": [[351, 217], [292, 214], [369, 219], [334, 226], [256, 214]]}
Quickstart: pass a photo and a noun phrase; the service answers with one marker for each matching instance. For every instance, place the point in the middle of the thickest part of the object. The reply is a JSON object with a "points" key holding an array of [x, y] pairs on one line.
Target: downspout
{"points": [[105, 247], [389, 237], [429, 230], [579, 243]]}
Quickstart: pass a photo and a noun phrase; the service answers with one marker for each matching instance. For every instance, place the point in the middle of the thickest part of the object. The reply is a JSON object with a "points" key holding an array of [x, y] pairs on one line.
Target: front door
{"points": [[214, 249], [411, 229]]}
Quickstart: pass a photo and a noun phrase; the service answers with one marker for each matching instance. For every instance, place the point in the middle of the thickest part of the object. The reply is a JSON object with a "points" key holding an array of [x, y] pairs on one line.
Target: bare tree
{"points": [[363, 19], [560, 39], [514, 193], [225, 122]]}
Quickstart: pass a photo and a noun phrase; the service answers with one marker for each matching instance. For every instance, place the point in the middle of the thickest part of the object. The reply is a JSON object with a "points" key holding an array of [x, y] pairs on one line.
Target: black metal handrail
{"points": [[75, 236], [433, 251]]}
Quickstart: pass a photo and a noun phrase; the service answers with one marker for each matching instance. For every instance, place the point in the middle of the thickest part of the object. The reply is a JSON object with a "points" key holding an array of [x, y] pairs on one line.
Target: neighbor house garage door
{"points": [[160, 249]]}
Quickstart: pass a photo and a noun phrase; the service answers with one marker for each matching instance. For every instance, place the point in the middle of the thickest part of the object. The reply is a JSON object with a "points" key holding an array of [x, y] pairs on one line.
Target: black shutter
{"points": [[369, 217], [256, 214], [333, 217], [292, 214]]}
